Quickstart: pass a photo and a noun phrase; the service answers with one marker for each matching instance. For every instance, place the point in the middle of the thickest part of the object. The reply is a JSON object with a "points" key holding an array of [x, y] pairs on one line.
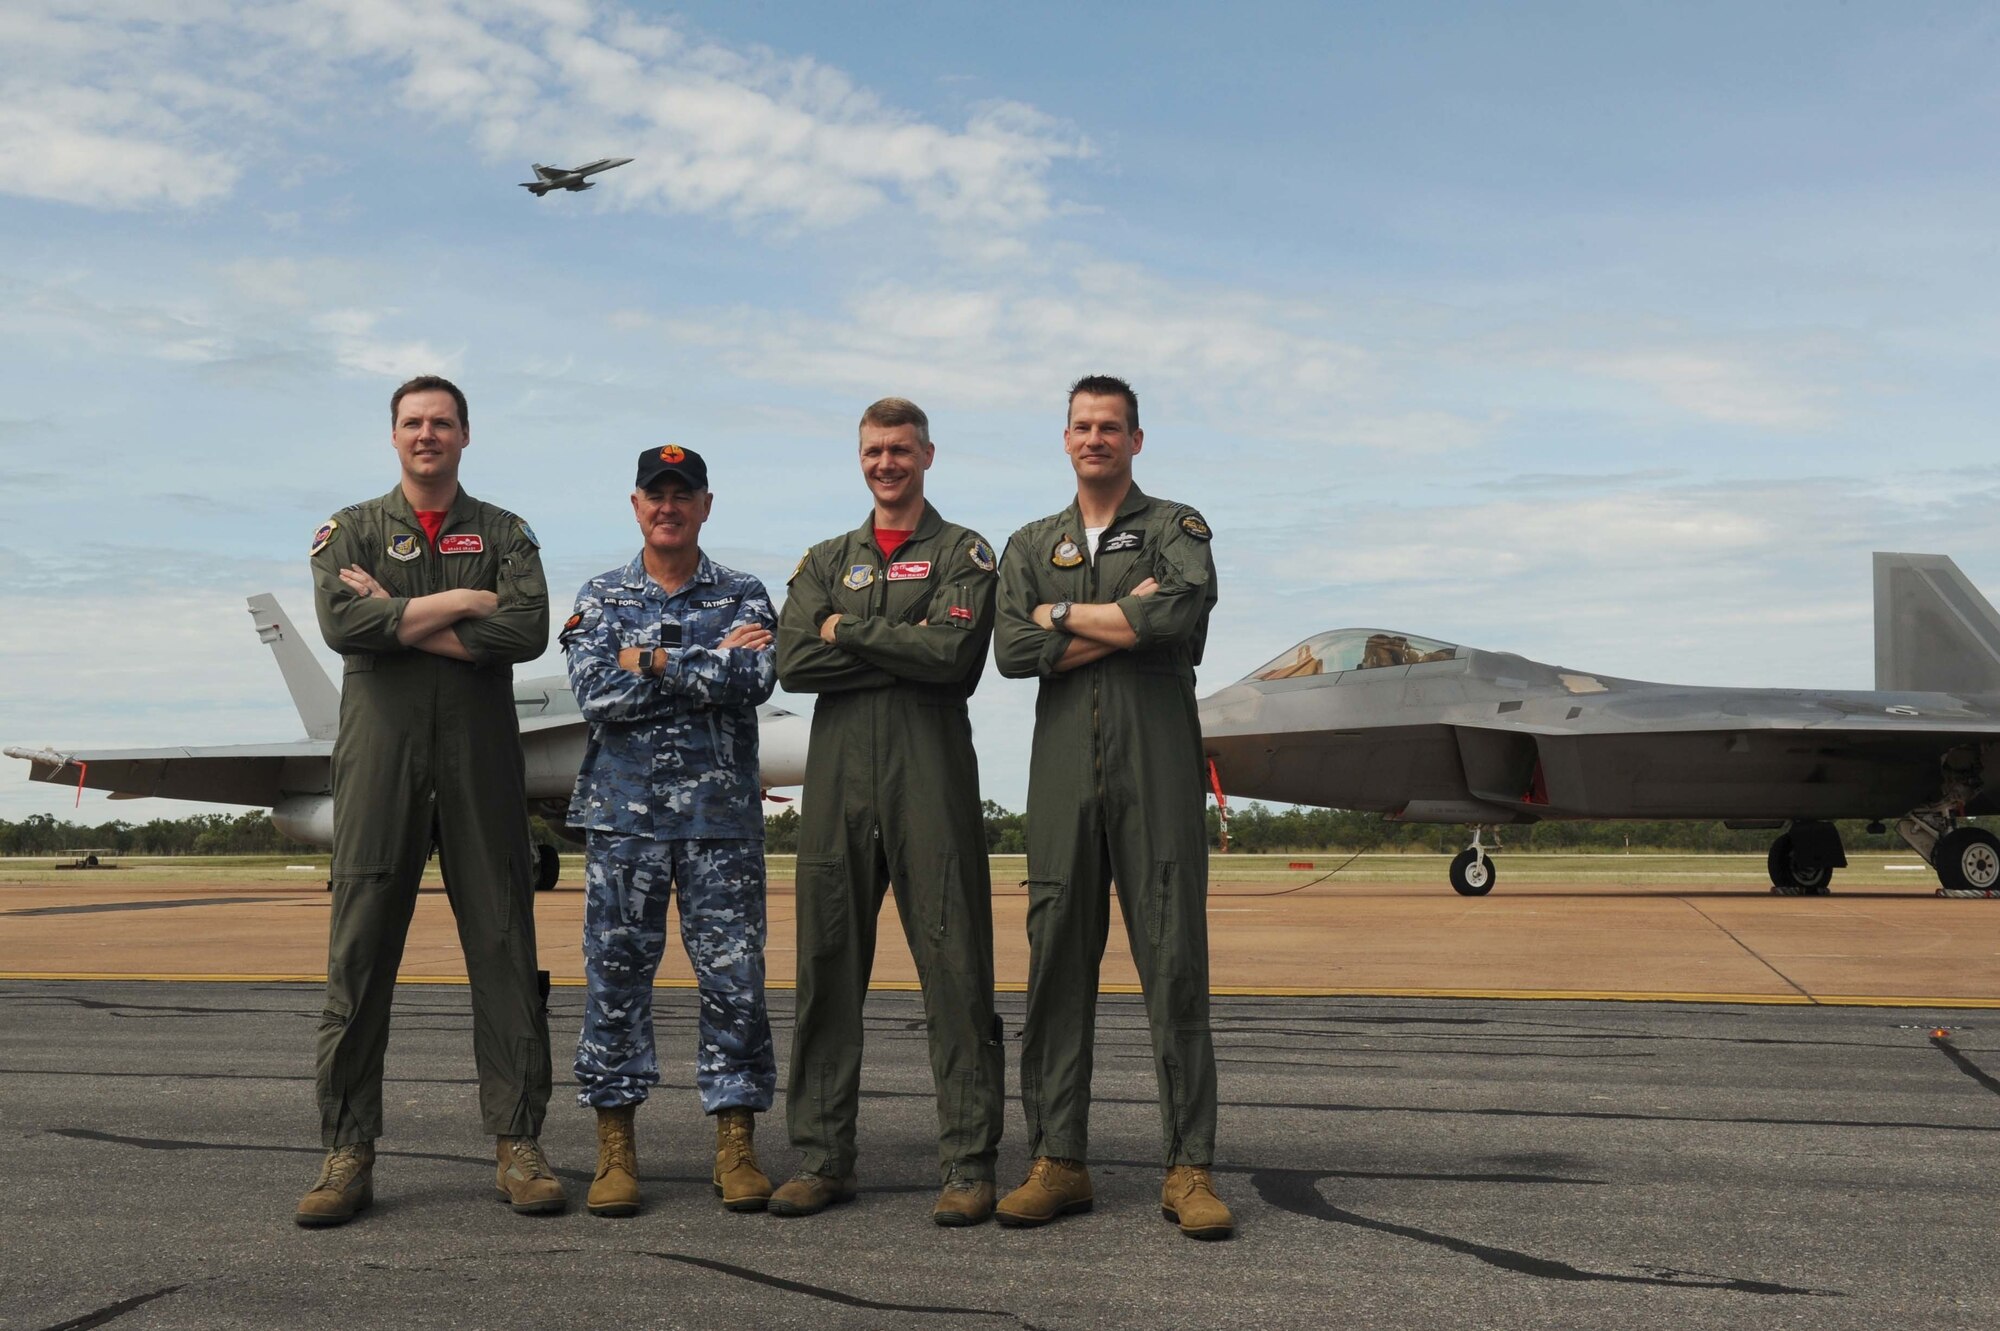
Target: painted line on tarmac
{"points": [[1218, 991]]}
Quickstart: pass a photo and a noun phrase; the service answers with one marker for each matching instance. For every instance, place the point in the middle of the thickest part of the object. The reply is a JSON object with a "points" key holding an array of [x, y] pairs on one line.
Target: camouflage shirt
{"points": [[672, 756]]}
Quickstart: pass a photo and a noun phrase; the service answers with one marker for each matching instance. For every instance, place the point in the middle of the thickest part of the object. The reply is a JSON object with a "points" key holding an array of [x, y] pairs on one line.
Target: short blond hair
{"points": [[893, 411]]}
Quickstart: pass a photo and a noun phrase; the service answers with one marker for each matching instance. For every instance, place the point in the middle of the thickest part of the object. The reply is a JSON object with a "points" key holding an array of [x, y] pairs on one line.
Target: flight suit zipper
{"points": [[1096, 679]]}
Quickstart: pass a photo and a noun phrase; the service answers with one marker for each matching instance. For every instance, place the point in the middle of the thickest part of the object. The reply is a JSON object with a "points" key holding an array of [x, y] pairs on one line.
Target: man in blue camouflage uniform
{"points": [[669, 657]]}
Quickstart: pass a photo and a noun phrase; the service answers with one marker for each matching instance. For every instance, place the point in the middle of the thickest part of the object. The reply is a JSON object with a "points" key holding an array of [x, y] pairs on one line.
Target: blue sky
{"points": [[1614, 335]]}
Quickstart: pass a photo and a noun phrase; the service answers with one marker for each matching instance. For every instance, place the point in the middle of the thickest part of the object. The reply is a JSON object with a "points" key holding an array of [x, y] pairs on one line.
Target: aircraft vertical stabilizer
{"points": [[312, 692], [1934, 632]]}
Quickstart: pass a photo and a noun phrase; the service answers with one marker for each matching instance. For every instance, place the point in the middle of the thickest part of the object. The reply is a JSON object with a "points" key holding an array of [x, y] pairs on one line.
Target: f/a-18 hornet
{"points": [[569, 177], [294, 779], [1433, 732]]}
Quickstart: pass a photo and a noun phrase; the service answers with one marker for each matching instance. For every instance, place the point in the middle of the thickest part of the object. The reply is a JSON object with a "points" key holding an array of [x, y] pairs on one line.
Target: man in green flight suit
{"points": [[432, 597], [890, 625], [1107, 604]]}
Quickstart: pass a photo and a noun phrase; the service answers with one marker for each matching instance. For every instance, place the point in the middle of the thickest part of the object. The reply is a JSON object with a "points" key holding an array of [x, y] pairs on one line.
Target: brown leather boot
{"points": [[346, 1186], [1188, 1198], [963, 1201], [1054, 1187], [738, 1181], [615, 1190], [809, 1194], [524, 1179]]}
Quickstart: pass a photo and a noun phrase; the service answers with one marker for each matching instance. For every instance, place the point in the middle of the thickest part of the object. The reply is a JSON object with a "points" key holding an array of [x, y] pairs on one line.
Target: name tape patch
{"points": [[461, 545], [908, 569]]}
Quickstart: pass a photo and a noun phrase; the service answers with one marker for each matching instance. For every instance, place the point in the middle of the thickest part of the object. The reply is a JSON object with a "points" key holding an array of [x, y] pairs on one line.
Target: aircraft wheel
{"points": [[548, 867], [1472, 874], [1791, 880], [1968, 860]]}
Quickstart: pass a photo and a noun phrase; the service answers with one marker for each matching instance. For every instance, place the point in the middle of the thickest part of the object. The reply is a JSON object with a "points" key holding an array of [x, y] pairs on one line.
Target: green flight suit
{"points": [[429, 753], [892, 797], [1115, 791]]}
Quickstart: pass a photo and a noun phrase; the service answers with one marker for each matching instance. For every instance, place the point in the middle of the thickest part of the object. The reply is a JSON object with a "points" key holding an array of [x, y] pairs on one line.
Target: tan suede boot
{"points": [[738, 1181], [615, 1190], [1054, 1187], [809, 1194], [524, 1179], [346, 1186], [963, 1201], [1188, 1198]]}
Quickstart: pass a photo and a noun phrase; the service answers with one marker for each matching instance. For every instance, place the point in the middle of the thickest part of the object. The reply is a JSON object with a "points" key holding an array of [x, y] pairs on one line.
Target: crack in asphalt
{"points": [[1297, 1192], [1943, 1044], [833, 1295], [113, 1310]]}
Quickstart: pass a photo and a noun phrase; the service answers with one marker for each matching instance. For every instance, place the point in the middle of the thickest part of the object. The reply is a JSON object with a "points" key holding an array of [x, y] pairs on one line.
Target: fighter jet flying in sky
{"points": [[1434, 732], [293, 779], [569, 177]]}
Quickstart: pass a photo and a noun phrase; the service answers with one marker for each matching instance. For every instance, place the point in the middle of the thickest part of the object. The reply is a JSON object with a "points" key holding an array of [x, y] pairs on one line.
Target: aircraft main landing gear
{"points": [[1966, 859], [1803, 858], [1472, 871], [548, 867]]}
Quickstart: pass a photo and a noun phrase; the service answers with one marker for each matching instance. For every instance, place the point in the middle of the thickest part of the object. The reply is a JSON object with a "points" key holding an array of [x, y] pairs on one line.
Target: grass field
{"points": [[1227, 873]]}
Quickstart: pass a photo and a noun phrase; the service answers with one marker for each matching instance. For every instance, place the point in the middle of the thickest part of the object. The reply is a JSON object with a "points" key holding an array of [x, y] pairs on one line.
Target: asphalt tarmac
{"points": [[1392, 1163]]}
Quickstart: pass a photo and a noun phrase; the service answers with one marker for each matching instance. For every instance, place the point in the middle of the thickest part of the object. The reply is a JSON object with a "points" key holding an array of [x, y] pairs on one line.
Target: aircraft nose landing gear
{"points": [[1967, 860], [1472, 871], [548, 867]]}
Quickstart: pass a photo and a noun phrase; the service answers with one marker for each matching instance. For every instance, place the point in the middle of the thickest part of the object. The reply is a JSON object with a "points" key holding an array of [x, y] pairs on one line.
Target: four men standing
{"points": [[1106, 603]]}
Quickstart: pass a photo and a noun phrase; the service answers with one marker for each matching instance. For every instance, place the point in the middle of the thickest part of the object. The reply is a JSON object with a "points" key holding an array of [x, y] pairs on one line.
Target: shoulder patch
{"points": [[798, 568], [529, 532], [571, 627], [322, 536], [981, 555], [1192, 524]]}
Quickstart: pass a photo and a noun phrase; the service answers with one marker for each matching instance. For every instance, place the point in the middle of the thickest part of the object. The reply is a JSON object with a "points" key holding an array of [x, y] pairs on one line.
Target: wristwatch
{"points": [[1059, 616]]}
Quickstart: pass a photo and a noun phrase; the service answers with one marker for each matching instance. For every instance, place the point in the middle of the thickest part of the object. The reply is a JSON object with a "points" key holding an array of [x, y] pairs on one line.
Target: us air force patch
{"points": [[982, 556], [1066, 555], [858, 576], [322, 536], [1192, 524], [403, 546]]}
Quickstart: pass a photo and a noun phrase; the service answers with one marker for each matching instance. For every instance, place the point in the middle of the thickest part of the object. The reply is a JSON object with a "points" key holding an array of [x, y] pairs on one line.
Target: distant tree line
{"points": [[1253, 830]]}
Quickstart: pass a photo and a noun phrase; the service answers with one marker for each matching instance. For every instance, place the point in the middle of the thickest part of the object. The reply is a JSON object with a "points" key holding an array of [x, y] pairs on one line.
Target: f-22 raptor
{"points": [[569, 177], [1433, 732]]}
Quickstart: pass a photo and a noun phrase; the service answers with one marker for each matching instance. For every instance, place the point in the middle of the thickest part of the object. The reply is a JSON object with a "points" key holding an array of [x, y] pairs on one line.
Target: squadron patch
{"points": [[673, 453], [570, 628], [403, 546], [858, 576], [1124, 540], [1192, 524], [1066, 555], [910, 570], [529, 532], [322, 536], [461, 545], [982, 556]]}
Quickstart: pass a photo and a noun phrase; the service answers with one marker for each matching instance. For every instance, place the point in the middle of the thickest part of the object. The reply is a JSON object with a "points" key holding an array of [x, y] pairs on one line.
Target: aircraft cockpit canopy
{"points": [[1354, 649]]}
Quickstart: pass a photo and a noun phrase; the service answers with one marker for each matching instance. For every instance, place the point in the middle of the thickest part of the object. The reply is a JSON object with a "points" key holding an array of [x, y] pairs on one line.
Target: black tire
{"points": [[548, 868], [1789, 879], [1967, 859], [1473, 874]]}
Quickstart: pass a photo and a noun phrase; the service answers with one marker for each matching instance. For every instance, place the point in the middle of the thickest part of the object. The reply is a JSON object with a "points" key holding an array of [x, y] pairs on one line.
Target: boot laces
{"points": [[617, 1149], [734, 1142], [527, 1158], [1196, 1178], [1047, 1167], [342, 1165]]}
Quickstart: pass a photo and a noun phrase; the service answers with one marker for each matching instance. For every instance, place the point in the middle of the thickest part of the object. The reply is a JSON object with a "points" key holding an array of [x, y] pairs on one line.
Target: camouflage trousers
{"points": [[627, 880]]}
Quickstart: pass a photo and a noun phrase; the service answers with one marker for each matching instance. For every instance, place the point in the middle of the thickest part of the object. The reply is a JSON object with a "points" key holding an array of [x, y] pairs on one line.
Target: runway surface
{"points": [[1638, 927], [1392, 1163]]}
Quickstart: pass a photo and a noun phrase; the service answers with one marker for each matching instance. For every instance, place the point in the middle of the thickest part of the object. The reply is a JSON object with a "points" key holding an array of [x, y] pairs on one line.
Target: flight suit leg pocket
{"points": [[945, 925], [823, 905], [1048, 899], [1163, 924]]}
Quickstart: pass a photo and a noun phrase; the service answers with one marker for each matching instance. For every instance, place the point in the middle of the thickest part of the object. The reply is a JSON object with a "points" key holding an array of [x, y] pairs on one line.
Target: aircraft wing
{"points": [[255, 774]]}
